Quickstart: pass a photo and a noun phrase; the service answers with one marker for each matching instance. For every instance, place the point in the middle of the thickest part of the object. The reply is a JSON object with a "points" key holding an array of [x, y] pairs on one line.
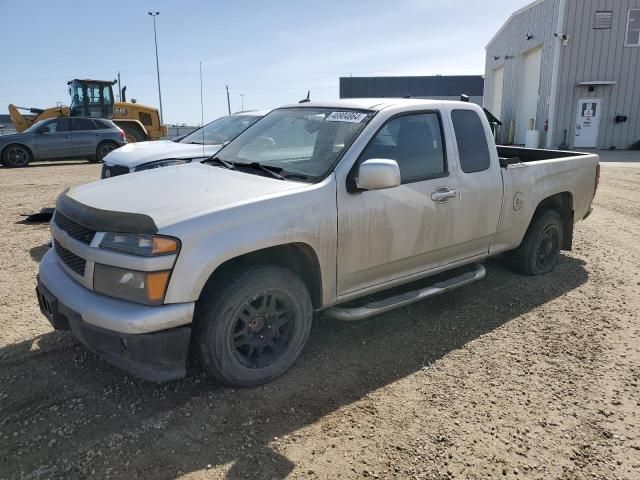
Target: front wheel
{"points": [[252, 328], [538, 253], [16, 156]]}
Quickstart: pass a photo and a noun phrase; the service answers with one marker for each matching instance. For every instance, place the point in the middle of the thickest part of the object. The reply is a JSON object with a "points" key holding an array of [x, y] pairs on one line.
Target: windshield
{"points": [[306, 141], [221, 130]]}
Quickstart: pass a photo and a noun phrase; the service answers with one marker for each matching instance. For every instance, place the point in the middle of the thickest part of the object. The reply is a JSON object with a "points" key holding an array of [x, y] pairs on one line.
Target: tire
{"points": [[252, 328], [539, 250], [104, 148], [16, 156], [132, 133]]}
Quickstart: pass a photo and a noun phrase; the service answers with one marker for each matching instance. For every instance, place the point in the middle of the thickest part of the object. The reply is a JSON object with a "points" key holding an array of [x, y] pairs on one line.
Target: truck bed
{"points": [[510, 155]]}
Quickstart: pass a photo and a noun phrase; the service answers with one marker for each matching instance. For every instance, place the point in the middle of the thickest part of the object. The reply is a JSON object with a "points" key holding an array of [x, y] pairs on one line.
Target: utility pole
{"points": [[242, 100], [228, 99], [155, 37], [119, 88]]}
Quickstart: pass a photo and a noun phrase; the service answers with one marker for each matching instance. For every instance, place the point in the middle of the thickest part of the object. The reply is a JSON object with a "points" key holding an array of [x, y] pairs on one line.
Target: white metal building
{"points": [[572, 67]]}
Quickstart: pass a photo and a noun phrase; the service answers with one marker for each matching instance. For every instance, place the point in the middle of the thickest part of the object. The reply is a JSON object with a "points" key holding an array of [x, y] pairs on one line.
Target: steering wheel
{"points": [[264, 141]]}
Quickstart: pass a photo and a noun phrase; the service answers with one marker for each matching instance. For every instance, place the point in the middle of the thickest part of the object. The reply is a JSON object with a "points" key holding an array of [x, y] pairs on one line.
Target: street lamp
{"points": [[155, 37], [242, 98]]}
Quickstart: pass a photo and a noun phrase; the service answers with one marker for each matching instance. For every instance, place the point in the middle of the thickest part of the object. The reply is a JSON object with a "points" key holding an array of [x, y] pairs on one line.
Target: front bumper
{"points": [[150, 342]]}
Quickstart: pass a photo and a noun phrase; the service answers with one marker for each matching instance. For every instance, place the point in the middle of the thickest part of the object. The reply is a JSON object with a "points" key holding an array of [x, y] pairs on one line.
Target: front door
{"points": [[388, 234], [55, 139], [587, 123]]}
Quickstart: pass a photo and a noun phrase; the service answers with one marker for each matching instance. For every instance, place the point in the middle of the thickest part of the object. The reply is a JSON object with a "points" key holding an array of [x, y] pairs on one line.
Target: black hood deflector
{"points": [[105, 220]]}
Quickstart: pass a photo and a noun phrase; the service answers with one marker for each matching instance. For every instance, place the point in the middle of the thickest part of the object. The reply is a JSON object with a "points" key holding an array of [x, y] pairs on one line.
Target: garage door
{"points": [[495, 106], [529, 89]]}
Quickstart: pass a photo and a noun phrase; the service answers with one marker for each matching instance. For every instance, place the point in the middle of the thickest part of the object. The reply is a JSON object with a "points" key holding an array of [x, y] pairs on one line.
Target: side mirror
{"points": [[378, 174], [43, 130]]}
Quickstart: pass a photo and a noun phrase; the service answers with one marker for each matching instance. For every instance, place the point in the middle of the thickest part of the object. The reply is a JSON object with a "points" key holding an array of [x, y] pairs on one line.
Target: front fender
{"points": [[307, 216]]}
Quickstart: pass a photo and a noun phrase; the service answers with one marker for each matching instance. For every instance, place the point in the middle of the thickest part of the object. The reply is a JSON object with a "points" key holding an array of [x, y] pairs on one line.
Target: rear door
{"points": [[55, 141], [85, 137], [480, 193]]}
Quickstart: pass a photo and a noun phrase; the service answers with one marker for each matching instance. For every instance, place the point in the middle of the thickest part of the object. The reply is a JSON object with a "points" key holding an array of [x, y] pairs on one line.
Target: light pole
{"points": [[242, 99], [155, 37]]}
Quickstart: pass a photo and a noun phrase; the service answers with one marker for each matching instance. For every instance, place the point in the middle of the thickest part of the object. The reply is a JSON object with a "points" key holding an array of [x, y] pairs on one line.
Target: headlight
{"points": [[141, 245], [162, 163], [141, 287]]}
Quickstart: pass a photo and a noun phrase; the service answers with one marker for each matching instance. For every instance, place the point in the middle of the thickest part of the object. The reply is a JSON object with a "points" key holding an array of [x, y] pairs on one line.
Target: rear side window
{"points": [[102, 125], [83, 124], [472, 141], [415, 142]]}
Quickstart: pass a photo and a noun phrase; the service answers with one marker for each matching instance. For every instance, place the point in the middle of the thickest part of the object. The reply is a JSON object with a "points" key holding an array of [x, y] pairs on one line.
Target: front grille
{"points": [[70, 259], [73, 229], [109, 171]]}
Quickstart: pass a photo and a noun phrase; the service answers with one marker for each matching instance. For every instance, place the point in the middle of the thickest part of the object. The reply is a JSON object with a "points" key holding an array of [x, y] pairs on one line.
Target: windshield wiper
{"points": [[299, 176], [222, 162], [273, 171]]}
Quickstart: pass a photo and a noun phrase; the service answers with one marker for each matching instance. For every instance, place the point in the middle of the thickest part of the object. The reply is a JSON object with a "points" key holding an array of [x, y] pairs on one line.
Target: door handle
{"points": [[442, 195], [68, 136]]}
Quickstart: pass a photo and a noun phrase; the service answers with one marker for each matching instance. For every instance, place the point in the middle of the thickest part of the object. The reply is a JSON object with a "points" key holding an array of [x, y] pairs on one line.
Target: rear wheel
{"points": [[16, 156], [252, 328], [538, 253], [104, 149]]}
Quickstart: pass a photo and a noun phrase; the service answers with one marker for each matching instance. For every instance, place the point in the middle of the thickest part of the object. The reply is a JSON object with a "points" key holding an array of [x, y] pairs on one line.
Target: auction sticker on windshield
{"points": [[351, 117]]}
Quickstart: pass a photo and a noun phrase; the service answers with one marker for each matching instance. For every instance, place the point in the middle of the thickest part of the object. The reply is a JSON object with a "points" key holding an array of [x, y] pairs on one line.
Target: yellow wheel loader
{"points": [[94, 98]]}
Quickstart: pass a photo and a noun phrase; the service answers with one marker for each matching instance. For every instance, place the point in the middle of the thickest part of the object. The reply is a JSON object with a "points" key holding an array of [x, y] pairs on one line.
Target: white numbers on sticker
{"points": [[352, 117]]}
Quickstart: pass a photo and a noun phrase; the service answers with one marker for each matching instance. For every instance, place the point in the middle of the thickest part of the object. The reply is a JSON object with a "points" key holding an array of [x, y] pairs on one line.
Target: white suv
{"points": [[194, 147]]}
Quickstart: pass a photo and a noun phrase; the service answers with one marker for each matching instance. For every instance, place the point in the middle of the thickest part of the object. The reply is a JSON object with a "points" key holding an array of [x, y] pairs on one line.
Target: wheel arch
{"points": [[300, 258], [107, 140], [130, 123], [562, 202], [2, 150]]}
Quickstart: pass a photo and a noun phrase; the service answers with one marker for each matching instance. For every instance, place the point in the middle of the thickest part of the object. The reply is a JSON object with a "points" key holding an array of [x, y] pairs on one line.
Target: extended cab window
{"points": [[472, 141], [415, 142]]}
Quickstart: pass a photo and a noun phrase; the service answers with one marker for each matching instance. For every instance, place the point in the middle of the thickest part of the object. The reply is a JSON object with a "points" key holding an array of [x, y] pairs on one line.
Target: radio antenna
{"points": [[201, 110]]}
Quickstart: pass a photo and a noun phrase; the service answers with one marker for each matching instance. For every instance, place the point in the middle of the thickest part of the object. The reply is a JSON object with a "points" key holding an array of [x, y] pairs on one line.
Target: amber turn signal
{"points": [[156, 285], [163, 245]]}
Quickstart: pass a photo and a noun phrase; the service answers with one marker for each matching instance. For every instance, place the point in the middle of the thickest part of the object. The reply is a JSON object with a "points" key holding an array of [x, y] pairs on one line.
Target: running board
{"points": [[391, 303]]}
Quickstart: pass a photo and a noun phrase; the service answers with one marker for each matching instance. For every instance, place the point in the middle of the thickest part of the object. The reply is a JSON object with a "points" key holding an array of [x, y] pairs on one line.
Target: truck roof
{"points": [[374, 103]]}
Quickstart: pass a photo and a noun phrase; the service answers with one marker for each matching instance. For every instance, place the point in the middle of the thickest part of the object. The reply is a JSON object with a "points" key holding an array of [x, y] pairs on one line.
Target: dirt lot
{"points": [[511, 377]]}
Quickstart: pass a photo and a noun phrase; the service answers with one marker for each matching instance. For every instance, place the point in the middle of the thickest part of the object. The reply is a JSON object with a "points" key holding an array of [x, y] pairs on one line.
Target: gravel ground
{"points": [[509, 378]]}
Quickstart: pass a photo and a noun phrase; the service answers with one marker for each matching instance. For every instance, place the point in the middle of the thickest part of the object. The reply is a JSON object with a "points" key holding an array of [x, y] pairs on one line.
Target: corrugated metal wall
{"points": [[540, 21], [599, 54], [590, 55]]}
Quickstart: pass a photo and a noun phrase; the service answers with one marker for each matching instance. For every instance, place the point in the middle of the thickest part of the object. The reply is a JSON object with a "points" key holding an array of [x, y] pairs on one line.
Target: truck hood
{"points": [[176, 193], [139, 153]]}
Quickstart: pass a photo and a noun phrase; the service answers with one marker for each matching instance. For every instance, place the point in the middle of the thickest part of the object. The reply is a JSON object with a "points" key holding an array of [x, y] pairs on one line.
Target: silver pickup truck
{"points": [[315, 207]]}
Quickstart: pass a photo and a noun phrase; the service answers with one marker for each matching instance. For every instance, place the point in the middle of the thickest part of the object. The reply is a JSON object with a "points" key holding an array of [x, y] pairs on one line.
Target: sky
{"points": [[271, 52]]}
